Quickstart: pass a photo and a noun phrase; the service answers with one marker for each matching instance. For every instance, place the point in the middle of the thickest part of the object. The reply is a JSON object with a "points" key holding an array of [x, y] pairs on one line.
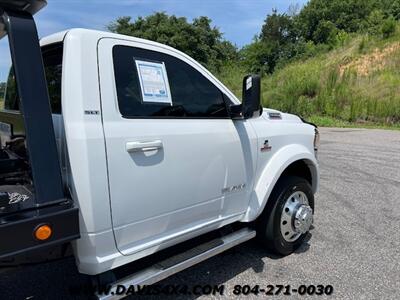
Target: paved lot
{"points": [[355, 245]]}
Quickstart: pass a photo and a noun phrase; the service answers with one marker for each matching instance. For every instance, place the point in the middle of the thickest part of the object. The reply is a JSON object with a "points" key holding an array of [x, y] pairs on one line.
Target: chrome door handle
{"points": [[143, 146]]}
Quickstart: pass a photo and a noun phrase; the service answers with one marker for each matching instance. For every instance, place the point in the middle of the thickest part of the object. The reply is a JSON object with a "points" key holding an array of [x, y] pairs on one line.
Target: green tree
{"points": [[325, 32], [275, 42], [259, 56], [319, 26], [395, 9], [374, 21], [388, 27], [199, 39], [278, 28], [347, 15], [2, 90]]}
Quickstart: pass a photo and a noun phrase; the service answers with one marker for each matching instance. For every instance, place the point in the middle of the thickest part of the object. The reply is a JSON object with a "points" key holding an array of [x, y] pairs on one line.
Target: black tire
{"points": [[268, 223]]}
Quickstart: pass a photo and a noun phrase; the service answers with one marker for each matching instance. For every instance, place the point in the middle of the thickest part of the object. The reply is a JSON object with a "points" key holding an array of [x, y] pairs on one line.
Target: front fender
{"points": [[273, 171]]}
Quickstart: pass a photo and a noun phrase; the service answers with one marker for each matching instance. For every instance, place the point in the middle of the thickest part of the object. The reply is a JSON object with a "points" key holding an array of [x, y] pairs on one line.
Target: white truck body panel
{"points": [[134, 204], [289, 145], [163, 194]]}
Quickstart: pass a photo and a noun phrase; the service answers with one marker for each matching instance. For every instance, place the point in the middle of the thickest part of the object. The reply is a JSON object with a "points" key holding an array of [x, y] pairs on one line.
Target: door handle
{"points": [[143, 146]]}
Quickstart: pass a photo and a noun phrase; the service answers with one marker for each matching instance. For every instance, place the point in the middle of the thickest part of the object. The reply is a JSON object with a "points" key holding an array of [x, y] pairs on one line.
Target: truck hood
{"points": [[276, 115]]}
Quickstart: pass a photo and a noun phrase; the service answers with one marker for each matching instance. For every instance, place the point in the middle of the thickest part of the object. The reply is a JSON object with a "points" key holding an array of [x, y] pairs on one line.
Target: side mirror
{"points": [[251, 100]]}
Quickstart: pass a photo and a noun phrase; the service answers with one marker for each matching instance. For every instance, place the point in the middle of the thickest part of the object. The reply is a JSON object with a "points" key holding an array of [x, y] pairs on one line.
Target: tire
{"points": [[268, 224]]}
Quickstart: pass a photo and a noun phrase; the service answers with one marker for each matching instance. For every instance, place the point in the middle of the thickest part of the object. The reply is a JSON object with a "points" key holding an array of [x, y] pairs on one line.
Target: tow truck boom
{"points": [[24, 209]]}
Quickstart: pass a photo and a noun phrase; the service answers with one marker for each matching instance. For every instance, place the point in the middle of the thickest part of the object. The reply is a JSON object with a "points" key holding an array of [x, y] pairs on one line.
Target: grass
{"points": [[354, 85], [331, 122]]}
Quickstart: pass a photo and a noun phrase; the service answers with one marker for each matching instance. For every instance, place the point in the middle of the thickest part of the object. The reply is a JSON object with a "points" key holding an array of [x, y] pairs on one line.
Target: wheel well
{"points": [[300, 169]]}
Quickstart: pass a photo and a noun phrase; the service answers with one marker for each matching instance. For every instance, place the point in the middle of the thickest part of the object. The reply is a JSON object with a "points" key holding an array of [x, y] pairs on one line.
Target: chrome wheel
{"points": [[297, 217]]}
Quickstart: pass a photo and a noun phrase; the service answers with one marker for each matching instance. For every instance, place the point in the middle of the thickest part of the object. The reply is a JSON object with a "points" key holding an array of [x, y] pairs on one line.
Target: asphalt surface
{"points": [[354, 246]]}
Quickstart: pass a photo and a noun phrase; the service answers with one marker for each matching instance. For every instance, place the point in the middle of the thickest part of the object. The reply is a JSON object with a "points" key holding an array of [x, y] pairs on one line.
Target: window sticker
{"points": [[154, 82]]}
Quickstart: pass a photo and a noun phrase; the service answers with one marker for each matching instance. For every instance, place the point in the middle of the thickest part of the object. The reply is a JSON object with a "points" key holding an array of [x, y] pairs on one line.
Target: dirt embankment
{"points": [[369, 63]]}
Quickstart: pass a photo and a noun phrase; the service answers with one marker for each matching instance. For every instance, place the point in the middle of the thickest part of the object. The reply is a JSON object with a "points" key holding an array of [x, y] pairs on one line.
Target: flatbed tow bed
{"points": [[39, 199]]}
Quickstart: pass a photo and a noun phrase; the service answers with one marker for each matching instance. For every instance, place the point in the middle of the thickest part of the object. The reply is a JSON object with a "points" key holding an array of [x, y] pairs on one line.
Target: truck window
{"points": [[193, 95], [52, 60], [4, 63]]}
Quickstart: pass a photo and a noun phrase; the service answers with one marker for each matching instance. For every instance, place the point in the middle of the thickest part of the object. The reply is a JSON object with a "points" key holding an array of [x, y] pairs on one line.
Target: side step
{"points": [[180, 262]]}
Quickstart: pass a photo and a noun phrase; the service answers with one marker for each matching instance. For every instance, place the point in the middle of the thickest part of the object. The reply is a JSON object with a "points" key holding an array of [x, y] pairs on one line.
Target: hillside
{"points": [[357, 83]]}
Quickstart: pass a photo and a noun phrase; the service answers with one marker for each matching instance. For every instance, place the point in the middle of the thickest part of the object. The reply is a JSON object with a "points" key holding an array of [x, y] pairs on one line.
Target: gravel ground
{"points": [[354, 246]]}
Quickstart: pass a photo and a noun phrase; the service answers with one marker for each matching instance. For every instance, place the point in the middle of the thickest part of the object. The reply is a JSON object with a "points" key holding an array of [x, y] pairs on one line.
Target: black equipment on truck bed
{"points": [[35, 211]]}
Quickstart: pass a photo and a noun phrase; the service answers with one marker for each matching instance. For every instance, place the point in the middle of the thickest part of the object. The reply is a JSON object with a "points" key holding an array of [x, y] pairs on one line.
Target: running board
{"points": [[180, 262]]}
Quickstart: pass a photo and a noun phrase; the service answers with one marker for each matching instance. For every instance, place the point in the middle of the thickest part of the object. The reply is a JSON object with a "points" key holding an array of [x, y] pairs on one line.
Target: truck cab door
{"points": [[174, 155]]}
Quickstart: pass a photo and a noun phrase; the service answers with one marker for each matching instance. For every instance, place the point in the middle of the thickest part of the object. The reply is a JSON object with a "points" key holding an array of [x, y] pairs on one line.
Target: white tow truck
{"points": [[123, 147]]}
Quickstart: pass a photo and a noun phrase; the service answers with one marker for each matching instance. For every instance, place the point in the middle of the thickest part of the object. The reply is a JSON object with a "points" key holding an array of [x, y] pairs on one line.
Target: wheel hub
{"points": [[303, 219], [297, 216]]}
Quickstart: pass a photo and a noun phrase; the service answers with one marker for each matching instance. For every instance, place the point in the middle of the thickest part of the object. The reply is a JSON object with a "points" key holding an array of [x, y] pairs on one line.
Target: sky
{"points": [[239, 20]]}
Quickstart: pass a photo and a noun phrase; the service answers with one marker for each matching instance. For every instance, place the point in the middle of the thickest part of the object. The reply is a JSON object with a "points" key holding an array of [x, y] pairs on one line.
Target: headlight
{"points": [[316, 141]]}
